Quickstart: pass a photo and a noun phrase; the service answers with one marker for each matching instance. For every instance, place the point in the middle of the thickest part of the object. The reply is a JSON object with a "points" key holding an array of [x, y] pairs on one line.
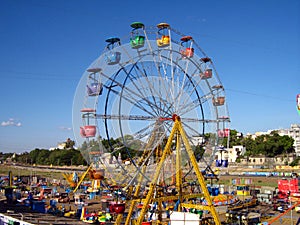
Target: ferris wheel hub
{"points": [[175, 117]]}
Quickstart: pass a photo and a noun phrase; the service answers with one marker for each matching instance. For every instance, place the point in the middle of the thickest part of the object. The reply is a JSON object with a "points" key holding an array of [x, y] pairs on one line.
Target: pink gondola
{"points": [[88, 110], [88, 131], [224, 132]]}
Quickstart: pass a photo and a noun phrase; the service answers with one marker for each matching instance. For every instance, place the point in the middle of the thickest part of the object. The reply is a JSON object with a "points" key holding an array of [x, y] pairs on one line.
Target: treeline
{"points": [[270, 145], [57, 157]]}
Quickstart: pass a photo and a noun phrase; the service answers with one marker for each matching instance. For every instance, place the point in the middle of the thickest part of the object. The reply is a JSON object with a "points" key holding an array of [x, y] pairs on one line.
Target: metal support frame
{"points": [[180, 135]]}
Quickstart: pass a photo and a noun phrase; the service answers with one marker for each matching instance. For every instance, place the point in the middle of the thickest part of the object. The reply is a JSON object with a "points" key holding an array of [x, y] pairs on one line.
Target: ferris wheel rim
{"points": [[155, 116]]}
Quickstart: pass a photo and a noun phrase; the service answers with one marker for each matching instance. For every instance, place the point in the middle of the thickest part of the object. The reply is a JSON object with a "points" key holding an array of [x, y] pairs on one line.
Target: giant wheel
{"points": [[128, 99]]}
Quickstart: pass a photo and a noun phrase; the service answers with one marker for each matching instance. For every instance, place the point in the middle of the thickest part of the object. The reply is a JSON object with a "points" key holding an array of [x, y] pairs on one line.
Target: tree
{"points": [[69, 144], [234, 139], [269, 145]]}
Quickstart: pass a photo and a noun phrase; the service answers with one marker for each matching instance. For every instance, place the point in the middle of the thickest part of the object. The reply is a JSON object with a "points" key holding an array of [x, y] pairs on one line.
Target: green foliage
{"points": [[55, 157], [234, 139], [4, 156], [295, 162], [69, 144], [268, 145], [198, 152]]}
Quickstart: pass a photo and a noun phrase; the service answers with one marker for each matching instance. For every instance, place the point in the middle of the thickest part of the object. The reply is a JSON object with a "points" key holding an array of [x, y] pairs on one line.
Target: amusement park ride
{"points": [[159, 103]]}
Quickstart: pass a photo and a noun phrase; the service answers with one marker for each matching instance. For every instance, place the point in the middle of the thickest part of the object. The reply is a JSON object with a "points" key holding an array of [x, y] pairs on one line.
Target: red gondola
{"points": [[188, 52], [206, 74]]}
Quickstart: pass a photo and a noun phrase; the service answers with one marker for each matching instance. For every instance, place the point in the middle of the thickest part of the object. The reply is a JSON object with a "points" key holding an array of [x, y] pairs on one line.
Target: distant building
{"points": [[61, 146], [196, 140], [68, 144], [231, 153], [267, 162], [294, 132]]}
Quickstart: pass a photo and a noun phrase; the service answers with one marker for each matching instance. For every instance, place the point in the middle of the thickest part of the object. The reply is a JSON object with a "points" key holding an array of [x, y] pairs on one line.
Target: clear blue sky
{"points": [[45, 46]]}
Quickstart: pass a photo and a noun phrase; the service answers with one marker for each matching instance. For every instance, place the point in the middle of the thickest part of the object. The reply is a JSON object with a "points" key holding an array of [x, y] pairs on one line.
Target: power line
{"points": [[259, 95]]}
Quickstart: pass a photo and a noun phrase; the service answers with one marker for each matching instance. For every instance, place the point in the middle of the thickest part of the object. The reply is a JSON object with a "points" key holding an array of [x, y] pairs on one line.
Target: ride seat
{"points": [[163, 41], [137, 42]]}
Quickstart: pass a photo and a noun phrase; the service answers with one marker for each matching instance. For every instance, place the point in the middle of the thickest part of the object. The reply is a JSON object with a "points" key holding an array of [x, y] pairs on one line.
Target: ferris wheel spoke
{"points": [[159, 64], [162, 82], [177, 72], [163, 105], [131, 100], [139, 86], [192, 130], [136, 102], [144, 132], [124, 117], [153, 93], [188, 88], [198, 120], [195, 104], [144, 103], [135, 96], [164, 77]]}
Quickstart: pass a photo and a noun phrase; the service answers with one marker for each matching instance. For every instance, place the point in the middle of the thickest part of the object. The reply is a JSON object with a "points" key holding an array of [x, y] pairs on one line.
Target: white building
{"points": [[231, 153], [294, 132]]}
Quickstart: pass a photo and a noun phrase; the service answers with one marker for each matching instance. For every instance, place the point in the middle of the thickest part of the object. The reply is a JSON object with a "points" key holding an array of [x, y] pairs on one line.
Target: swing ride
{"points": [[151, 113]]}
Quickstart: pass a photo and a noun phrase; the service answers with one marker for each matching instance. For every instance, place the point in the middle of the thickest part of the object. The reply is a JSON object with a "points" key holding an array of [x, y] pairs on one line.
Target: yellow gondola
{"points": [[164, 39]]}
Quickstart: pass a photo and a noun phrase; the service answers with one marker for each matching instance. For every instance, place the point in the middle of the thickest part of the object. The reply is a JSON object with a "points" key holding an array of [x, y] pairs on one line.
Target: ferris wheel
{"points": [[127, 101]]}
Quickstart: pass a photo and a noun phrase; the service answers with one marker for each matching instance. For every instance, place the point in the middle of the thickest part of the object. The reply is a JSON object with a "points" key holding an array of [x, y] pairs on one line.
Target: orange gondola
{"points": [[218, 101]]}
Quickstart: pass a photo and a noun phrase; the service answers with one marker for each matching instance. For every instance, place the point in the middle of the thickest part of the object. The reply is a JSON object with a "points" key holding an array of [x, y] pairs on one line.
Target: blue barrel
{"points": [[225, 163], [53, 202], [38, 206]]}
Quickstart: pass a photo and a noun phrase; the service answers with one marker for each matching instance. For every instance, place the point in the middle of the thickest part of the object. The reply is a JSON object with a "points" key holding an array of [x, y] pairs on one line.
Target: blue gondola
{"points": [[112, 57]]}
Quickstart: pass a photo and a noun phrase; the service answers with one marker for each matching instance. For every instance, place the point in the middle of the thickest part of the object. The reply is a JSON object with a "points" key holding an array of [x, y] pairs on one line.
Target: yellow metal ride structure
{"points": [[155, 194]]}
